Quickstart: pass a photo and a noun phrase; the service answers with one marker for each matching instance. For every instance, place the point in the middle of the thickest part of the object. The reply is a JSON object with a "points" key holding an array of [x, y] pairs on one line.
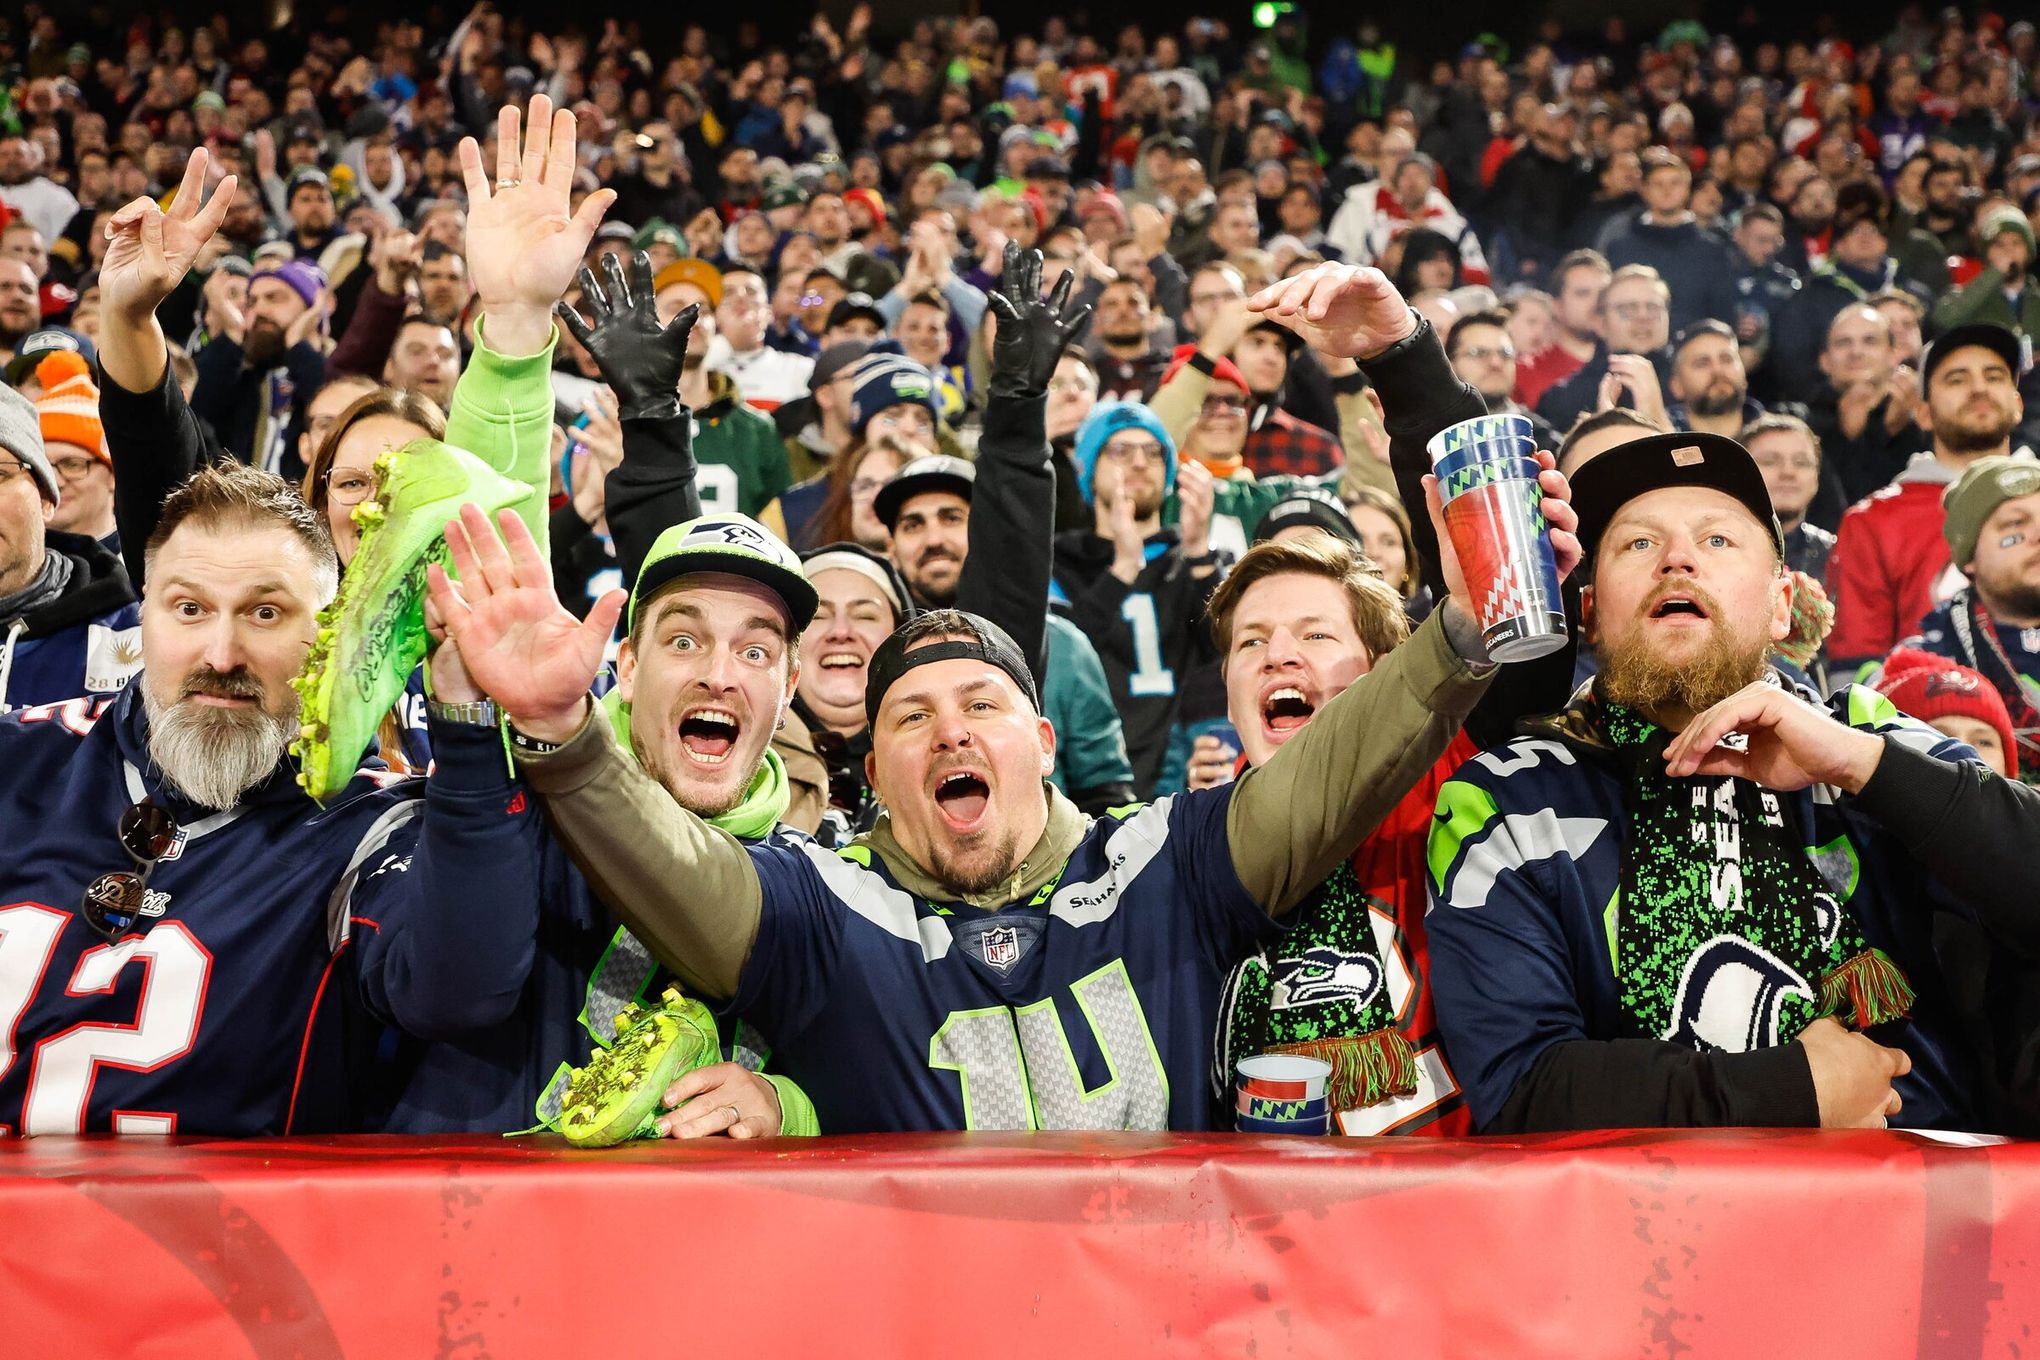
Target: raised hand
{"points": [[518, 644], [1031, 333], [150, 251], [1343, 309], [523, 243], [639, 358]]}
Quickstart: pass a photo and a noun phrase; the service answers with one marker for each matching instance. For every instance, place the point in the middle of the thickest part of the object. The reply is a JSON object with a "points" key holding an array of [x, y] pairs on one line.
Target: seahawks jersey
{"points": [[1089, 1006], [281, 936], [1526, 869]]}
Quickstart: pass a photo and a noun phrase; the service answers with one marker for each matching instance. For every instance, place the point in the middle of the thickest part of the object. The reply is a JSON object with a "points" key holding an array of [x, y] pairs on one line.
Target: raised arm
{"points": [[154, 439], [523, 246], [654, 486], [1012, 522]]}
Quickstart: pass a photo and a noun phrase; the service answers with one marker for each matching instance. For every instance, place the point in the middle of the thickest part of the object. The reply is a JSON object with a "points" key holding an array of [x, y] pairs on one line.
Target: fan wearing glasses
{"points": [[67, 612], [187, 941], [1484, 357]]}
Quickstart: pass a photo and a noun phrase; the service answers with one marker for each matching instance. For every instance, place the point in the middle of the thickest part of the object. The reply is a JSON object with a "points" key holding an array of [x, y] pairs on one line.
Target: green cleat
{"points": [[621, 1093], [373, 635]]}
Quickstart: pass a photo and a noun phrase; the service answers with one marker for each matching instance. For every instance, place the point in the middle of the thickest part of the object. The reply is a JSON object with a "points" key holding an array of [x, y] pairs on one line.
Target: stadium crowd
{"points": [[988, 628]]}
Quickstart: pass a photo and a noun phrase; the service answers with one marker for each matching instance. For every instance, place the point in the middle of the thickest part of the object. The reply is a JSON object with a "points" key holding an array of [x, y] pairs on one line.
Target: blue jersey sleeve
{"points": [[1501, 965], [442, 895], [804, 891], [1230, 922]]}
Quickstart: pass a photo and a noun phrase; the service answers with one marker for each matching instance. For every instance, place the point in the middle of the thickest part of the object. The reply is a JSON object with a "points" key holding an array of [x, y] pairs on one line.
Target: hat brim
{"points": [[1994, 338], [1610, 481], [897, 492], [793, 591]]}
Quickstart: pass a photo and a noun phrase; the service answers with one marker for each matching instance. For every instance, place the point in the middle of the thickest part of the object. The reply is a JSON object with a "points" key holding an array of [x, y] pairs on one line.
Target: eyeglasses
{"points": [[73, 469], [1636, 309], [10, 470], [114, 901], [345, 486], [1138, 451], [1060, 386], [864, 488], [1224, 406], [1479, 352]]}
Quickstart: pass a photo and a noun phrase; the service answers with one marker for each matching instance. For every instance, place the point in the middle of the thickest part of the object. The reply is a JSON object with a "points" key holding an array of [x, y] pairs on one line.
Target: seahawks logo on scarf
{"points": [[1727, 936], [1322, 993]]}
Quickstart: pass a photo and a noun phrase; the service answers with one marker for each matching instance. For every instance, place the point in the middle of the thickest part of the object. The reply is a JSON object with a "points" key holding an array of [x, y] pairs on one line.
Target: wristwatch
{"points": [[1402, 346], [482, 713]]}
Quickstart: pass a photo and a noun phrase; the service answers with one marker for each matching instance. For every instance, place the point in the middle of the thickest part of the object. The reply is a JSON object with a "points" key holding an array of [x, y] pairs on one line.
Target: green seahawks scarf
{"points": [[1321, 990], [1728, 936]]}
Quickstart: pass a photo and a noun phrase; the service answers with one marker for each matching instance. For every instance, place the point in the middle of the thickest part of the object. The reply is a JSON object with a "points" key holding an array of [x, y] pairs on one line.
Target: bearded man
{"points": [[1634, 926], [187, 938]]}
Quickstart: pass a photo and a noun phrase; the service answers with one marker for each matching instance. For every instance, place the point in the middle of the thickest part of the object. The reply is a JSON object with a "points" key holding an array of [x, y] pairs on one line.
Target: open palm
{"points": [[523, 242], [517, 643], [1350, 311], [149, 251]]}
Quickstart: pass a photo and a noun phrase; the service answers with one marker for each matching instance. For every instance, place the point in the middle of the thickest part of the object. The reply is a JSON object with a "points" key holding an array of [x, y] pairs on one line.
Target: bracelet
{"points": [[529, 744], [481, 713]]}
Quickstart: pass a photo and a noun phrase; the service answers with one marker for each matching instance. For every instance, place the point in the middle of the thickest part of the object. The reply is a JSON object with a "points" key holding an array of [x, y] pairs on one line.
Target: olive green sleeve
{"points": [[685, 888], [1293, 819]]}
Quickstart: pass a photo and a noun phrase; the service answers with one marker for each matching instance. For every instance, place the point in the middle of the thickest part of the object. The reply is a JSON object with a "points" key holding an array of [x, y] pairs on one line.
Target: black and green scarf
{"points": [[1321, 991], [1713, 872]]}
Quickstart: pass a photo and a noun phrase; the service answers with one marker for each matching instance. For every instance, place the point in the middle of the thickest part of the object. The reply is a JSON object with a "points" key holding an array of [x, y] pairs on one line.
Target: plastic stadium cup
{"points": [[1479, 433], [1486, 451], [1282, 1093], [1492, 512]]}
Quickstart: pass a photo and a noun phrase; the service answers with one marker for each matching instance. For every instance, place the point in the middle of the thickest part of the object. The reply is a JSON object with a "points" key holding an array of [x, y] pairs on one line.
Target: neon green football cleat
{"points": [[373, 635], [621, 1093]]}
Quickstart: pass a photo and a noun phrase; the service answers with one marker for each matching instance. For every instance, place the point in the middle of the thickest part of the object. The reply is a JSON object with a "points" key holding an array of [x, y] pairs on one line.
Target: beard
{"points": [[985, 870], [1637, 676], [689, 798], [264, 344], [214, 755], [1978, 434], [1719, 400]]}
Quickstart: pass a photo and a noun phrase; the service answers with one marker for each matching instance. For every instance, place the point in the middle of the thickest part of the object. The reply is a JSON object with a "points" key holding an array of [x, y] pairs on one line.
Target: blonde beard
{"points": [[1636, 676]]}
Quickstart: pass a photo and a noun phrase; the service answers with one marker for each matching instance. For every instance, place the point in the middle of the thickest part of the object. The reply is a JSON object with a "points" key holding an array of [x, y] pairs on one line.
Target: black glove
{"points": [[639, 359], [1032, 333]]}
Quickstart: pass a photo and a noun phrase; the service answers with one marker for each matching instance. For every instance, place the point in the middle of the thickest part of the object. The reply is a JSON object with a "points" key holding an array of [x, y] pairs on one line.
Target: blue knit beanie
{"points": [[1108, 418], [891, 380]]}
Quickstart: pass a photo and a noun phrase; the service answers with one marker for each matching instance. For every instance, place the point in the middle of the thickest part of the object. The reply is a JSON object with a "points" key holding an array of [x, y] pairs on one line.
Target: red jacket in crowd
{"points": [[1889, 565]]}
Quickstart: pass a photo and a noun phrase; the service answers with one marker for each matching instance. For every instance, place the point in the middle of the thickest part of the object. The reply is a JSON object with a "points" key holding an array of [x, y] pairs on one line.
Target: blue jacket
{"points": [[282, 936], [1526, 867], [86, 641]]}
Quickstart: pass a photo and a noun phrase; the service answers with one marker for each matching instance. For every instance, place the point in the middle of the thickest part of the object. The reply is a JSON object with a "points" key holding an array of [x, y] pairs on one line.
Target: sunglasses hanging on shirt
{"points": [[114, 901]]}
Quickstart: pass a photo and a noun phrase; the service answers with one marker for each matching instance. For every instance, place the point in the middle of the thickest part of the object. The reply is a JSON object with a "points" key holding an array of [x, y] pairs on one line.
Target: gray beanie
{"points": [[21, 435]]}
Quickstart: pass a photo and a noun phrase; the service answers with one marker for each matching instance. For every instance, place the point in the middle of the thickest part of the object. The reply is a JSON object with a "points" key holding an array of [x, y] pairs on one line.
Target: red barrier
{"points": [[1049, 1247]]}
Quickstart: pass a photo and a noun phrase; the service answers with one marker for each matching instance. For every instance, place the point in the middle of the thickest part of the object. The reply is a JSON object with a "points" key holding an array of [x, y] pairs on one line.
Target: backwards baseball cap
{"points": [[1991, 336], [880, 571], [39, 345], [851, 306], [1605, 484], [893, 659], [1313, 508], [735, 544], [936, 472], [303, 175], [1983, 487], [1223, 369]]}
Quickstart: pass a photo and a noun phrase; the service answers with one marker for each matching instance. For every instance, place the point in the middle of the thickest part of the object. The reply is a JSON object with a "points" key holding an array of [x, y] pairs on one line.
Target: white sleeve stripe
{"points": [[340, 905]]}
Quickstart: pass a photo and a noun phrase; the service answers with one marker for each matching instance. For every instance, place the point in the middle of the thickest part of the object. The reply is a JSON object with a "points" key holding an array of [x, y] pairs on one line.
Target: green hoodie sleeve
{"points": [[797, 1118], [503, 414]]}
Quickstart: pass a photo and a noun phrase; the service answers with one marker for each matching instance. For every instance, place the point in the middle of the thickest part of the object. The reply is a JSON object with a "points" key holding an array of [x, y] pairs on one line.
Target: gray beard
{"points": [[214, 755]]}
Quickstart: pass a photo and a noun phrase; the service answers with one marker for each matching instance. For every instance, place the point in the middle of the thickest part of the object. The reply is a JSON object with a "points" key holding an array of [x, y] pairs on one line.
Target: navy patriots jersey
{"points": [[279, 933], [1090, 1006]]}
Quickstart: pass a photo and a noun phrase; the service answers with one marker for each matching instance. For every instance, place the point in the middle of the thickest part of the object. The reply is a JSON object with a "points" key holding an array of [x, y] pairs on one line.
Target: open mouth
{"points": [[708, 735], [1678, 607], [962, 797], [841, 661], [1286, 709]]}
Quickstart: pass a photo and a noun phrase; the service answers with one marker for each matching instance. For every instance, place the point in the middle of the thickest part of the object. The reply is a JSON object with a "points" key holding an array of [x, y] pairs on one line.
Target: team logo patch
{"points": [[1001, 947], [1324, 976], [1732, 997]]}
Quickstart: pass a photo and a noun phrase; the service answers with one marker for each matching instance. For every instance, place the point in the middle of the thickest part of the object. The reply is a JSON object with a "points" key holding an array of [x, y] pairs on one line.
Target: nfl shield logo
{"points": [[1002, 947]]}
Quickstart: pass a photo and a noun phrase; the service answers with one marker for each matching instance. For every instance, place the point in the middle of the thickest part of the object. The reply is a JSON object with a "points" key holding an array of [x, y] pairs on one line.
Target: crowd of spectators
{"points": [[1820, 248]]}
